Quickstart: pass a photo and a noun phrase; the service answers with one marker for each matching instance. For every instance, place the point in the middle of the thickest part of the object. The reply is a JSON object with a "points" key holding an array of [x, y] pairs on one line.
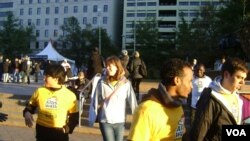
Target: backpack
{"points": [[143, 69]]}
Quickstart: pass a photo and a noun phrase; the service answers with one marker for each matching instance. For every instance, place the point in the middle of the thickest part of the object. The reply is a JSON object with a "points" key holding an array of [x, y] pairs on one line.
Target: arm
{"points": [[203, 119], [131, 97], [29, 110], [140, 129]]}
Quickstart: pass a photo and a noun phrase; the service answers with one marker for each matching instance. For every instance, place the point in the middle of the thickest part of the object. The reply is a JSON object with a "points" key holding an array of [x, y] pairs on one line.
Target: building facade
{"points": [[166, 12], [48, 15]]}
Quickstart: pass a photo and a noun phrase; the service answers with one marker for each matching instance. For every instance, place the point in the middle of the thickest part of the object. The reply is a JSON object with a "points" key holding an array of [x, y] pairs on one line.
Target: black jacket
{"points": [[211, 114]]}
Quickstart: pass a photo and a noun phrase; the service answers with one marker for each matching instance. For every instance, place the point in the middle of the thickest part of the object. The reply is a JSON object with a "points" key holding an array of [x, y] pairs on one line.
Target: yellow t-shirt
{"points": [[53, 106], [154, 122]]}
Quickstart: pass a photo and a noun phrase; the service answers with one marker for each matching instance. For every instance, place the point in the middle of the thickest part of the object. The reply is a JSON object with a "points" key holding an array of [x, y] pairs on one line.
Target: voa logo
{"points": [[236, 132]]}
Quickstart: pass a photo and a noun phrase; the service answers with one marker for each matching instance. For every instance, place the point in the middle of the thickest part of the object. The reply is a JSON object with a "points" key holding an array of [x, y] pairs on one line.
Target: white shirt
{"points": [[198, 85]]}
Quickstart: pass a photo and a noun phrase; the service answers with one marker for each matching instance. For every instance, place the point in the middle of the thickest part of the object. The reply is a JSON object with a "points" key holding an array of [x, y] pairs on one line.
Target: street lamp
{"points": [[123, 42], [99, 28], [135, 16]]}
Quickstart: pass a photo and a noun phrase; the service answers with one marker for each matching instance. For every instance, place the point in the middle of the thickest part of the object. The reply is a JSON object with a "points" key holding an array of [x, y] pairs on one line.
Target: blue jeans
{"points": [[112, 132]]}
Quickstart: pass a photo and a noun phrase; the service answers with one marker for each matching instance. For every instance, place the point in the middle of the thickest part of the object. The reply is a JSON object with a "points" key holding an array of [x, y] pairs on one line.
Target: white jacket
{"points": [[114, 109]]}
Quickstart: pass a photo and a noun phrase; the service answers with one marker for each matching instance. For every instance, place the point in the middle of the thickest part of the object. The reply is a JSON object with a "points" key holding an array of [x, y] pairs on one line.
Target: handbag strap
{"points": [[120, 83]]}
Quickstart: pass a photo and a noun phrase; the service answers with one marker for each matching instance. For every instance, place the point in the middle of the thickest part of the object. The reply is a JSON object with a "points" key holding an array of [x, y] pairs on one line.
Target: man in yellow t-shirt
{"points": [[55, 105], [160, 116]]}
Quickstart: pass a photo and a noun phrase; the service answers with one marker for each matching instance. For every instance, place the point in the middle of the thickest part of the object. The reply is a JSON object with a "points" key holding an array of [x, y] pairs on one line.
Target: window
{"points": [[55, 33], [6, 5], [37, 33], [22, 2], [46, 21], [141, 4], [65, 20], [30, 1], [141, 14], [29, 21], [105, 20], [205, 3], [21, 11], [38, 21], [21, 22], [151, 3], [95, 8], [38, 11], [105, 8], [47, 10], [65, 9], [130, 4], [46, 33], [151, 14], [75, 9], [66, 0], [183, 3], [194, 3], [84, 20], [57, 1], [130, 14], [37, 45], [30, 11], [56, 10], [94, 20], [48, 1], [38, 1], [56, 21], [85, 8]]}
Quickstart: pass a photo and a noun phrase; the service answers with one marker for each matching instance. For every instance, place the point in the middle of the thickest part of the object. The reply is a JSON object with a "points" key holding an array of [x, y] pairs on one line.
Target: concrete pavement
{"points": [[13, 133]]}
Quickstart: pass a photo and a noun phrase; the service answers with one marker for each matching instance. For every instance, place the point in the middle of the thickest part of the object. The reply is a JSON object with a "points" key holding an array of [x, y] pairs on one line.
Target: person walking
{"points": [[6, 67], [95, 64], [220, 103], [16, 74], [200, 81], [56, 107], [125, 60], [160, 116], [112, 93], [135, 67]]}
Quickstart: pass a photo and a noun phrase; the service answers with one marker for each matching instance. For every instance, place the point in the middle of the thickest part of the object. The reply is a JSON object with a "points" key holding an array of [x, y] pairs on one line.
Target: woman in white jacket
{"points": [[111, 93]]}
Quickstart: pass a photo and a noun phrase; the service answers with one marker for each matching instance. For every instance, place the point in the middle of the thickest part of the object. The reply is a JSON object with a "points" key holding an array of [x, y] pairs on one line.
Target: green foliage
{"points": [[77, 42], [15, 39]]}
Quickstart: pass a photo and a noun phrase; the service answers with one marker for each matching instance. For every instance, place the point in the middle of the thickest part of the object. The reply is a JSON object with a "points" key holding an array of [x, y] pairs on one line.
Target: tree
{"points": [[78, 42], [72, 40], [236, 30], [15, 39]]}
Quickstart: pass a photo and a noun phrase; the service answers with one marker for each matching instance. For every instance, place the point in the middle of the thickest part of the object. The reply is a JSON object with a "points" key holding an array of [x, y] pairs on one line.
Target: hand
{"points": [[3, 117], [28, 119]]}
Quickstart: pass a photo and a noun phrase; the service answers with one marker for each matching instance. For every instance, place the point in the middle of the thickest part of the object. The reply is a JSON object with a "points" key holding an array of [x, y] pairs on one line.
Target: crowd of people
{"points": [[158, 115], [19, 70]]}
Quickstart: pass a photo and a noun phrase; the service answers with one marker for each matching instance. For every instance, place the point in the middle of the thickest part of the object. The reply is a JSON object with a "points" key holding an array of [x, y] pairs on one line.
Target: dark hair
{"points": [[234, 64], [56, 71], [171, 69]]}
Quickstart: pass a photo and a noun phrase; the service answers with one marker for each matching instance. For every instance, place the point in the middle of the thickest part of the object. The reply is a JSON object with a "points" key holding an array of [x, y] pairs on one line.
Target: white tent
{"points": [[53, 55]]}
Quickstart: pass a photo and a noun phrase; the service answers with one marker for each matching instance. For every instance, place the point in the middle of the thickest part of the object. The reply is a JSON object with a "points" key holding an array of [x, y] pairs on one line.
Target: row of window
{"points": [[141, 14], [186, 3], [56, 21], [46, 33], [202, 3], [47, 1], [142, 4], [65, 10]]}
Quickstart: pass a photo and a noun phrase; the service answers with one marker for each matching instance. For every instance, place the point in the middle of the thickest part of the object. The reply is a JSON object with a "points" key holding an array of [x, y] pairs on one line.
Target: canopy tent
{"points": [[53, 55]]}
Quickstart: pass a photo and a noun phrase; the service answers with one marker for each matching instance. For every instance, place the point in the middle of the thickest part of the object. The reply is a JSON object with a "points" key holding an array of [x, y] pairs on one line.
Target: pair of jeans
{"points": [[112, 132]]}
